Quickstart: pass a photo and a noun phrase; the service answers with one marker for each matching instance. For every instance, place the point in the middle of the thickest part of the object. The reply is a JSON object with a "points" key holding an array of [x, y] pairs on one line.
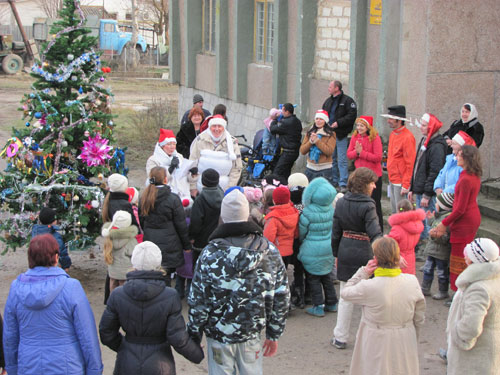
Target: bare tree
{"points": [[50, 7], [160, 9]]}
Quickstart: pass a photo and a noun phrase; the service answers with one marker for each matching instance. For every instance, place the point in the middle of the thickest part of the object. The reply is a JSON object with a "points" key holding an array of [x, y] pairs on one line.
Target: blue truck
{"points": [[112, 40]]}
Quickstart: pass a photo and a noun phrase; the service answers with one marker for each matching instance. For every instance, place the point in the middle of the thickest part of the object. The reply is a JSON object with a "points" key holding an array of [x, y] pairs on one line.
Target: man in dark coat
{"points": [[197, 102], [342, 112], [431, 155], [289, 130], [151, 316], [239, 288]]}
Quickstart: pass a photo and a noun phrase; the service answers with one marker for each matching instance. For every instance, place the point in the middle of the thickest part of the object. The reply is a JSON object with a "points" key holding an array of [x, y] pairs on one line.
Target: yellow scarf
{"points": [[387, 272]]}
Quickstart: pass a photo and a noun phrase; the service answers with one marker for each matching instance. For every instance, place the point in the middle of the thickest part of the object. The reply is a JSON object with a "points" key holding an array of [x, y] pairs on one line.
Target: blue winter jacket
{"points": [[448, 175], [315, 226], [49, 327], [39, 229]]}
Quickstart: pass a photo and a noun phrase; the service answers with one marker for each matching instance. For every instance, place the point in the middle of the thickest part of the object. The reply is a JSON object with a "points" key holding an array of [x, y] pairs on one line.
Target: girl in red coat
{"points": [[406, 228], [465, 217], [282, 223]]}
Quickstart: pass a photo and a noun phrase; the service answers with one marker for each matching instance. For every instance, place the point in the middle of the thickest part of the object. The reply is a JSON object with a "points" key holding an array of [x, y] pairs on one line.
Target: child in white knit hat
{"points": [[119, 242]]}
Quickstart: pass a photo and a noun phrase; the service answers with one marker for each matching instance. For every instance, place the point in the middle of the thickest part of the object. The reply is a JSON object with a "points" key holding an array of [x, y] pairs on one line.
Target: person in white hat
{"points": [[473, 328], [150, 314], [238, 262], [215, 148], [180, 170]]}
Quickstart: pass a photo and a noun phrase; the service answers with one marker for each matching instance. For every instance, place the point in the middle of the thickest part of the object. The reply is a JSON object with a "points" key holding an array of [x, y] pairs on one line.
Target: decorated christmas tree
{"points": [[62, 155]]}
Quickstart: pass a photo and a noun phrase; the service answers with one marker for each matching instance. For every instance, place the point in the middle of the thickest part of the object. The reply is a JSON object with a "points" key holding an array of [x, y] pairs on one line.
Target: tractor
{"points": [[12, 54]]}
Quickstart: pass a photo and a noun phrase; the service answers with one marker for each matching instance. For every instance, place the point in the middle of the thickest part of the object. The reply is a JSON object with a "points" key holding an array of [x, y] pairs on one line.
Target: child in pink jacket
{"points": [[406, 226]]}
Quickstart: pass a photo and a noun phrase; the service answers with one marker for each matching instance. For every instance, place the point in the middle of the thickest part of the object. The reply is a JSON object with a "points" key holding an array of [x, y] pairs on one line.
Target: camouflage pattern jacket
{"points": [[239, 287]]}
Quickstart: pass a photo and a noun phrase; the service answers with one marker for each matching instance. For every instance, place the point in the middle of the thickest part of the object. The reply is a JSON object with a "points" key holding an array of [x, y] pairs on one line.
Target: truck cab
{"points": [[111, 39]]}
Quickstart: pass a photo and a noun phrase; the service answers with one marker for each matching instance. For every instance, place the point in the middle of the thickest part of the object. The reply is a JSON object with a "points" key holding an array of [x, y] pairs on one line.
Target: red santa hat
{"points": [[133, 195], [166, 136], [434, 126], [462, 138], [322, 114], [219, 120]]}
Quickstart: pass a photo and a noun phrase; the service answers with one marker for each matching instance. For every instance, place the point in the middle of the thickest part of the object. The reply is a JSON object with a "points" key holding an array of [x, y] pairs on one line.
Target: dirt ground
{"points": [[305, 344]]}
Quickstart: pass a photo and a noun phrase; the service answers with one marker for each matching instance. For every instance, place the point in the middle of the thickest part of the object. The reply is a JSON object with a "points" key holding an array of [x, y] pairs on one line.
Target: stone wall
{"points": [[332, 41]]}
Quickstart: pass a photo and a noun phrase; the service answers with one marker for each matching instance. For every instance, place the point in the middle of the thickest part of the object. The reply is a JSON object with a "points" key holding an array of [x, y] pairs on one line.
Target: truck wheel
{"points": [[11, 64]]}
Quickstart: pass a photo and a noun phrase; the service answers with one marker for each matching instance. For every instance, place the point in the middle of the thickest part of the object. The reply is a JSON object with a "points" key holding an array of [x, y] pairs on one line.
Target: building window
{"points": [[209, 25], [264, 31]]}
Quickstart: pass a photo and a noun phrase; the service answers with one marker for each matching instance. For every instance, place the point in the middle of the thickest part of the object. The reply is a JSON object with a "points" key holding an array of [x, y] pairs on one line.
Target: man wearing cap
{"points": [[448, 176], [431, 154], [216, 148], [239, 288], [289, 130], [180, 170], [400, 155], [342, 112], [197, 102]]}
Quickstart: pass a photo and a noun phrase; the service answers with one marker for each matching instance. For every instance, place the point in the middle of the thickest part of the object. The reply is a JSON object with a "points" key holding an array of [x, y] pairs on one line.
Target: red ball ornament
{"points": [[103, 69], [63, 195], [108, 70]]}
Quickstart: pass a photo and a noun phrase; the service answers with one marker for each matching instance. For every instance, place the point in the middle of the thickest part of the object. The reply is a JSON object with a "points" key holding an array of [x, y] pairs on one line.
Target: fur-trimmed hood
{"points": [[478, 272], [120, 236], [411, 221]]}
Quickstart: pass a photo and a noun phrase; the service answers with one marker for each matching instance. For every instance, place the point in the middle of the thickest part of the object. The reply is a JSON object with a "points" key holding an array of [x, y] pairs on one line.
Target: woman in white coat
{"points": [[393, 309], [474, 319]]}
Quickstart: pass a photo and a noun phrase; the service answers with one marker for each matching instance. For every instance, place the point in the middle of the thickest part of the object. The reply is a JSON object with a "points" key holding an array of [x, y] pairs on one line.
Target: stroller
{"points": [[258, 165]]}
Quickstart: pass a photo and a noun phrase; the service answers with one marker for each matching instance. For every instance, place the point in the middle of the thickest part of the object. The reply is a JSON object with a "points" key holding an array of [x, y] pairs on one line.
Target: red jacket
{"points": [[465, 217], [282, 227], [401, 157], [370, 157], [406, 229]]}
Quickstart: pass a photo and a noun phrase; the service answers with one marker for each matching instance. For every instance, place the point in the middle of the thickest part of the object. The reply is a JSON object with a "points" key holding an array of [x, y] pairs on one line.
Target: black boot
{"points": [[442, 293], [426, 287], [300, 298]]}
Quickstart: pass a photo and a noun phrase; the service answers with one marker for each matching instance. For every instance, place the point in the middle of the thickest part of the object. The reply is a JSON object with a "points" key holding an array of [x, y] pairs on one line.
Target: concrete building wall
{"points": [[332, 41], [205, 72], [230, 54], [260, 85]]}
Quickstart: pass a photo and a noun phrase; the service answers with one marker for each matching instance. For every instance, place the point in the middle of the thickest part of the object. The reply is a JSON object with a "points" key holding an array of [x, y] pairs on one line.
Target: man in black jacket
{"points": [[342, 111], [290, 132]]}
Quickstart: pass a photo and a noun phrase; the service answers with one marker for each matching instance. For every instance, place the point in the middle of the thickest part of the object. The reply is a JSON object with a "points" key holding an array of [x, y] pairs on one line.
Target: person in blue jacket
{"points": [[448, 176], [47, 217], [49, 327]]}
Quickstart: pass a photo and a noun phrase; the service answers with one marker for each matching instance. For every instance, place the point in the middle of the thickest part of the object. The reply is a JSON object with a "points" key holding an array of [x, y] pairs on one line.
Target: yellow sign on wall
{"points": [[376, 12]]}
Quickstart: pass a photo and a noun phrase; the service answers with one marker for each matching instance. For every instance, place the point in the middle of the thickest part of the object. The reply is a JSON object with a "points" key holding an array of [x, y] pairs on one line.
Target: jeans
{"points": [[395, 196], [229, 359], [441, 267], [430, 208], [344, 317], [311, 174], [268, 143], [319, 284], [340, 171], [182, 285]]}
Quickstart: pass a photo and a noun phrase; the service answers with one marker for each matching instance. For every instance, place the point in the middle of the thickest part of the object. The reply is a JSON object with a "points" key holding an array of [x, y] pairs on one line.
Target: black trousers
{"points": [[377, 196], [319, 284], [285, 163]]}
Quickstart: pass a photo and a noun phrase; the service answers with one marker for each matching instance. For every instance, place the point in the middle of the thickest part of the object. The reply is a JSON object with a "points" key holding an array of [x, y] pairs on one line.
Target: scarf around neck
{"points": [[387, 272]]}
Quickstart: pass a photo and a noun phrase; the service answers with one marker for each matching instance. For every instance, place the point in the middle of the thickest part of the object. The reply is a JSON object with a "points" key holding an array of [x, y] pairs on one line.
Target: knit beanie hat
{"points": [[239, 188], [235, 207], [117, 183], [281, 195], [445, 201], [462, 138], [253, 194], [47, 216], [482, 250], [197, 98], [166, 136], [297, 179], [273, 114], [146, 256], [434, 126], [121, 219], [133, 195], [322, 114], [210, 178]]}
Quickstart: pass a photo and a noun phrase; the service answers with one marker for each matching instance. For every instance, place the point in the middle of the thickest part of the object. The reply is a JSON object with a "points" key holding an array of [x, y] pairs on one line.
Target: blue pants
{"points": [[340, 170], [431, 207], [441, 267], [230, 359], [311, 174]]}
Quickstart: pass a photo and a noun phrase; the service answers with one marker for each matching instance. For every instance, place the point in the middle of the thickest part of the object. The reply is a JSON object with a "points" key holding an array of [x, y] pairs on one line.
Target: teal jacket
{"points": [[315, 227]]}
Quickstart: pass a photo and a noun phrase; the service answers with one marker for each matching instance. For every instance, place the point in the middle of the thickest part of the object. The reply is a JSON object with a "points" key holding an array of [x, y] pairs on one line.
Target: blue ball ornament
{"points": [[32, 95], [38, 114], [27, 124], [80, 90]]}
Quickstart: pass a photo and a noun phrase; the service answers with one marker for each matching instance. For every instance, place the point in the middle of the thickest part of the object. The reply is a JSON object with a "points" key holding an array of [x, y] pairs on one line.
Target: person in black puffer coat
{"points": [[116, 200], [468, 123], [355, 227], [150, 315], [164, 221]]}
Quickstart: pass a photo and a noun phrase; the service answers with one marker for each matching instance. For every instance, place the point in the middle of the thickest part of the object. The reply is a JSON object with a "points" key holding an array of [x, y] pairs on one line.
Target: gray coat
{"points": [[123, 245]]}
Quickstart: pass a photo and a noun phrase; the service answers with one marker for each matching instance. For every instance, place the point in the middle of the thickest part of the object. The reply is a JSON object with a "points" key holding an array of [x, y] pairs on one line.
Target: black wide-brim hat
{"points": [[396, 112]]}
